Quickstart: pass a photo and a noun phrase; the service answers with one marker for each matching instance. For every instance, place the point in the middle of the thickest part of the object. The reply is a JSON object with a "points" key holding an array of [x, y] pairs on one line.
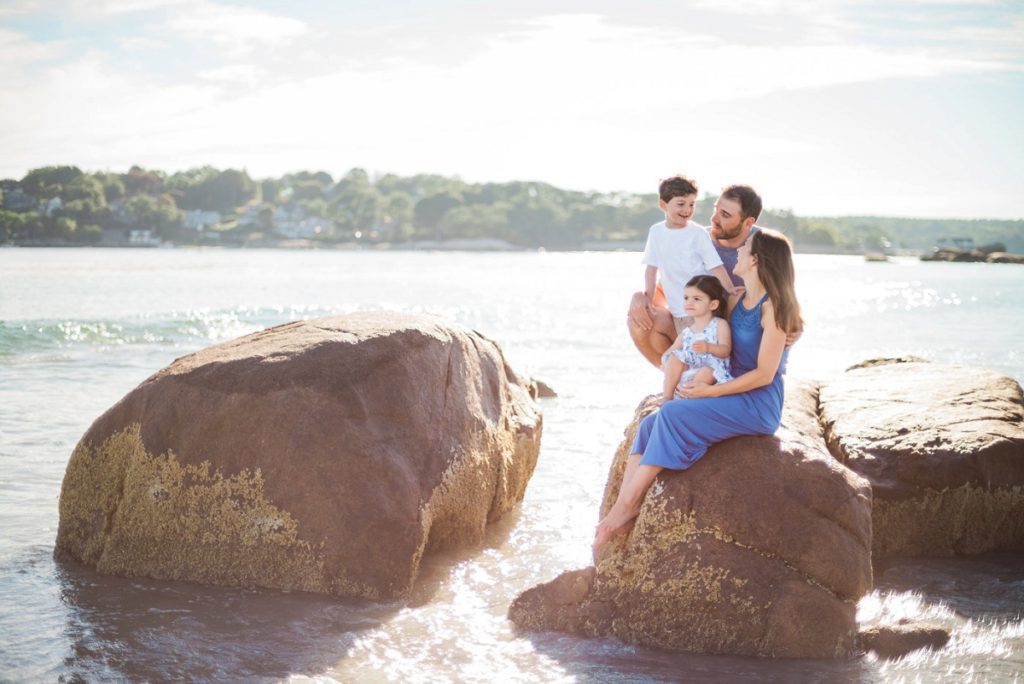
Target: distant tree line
{"points": [[63, 205]]}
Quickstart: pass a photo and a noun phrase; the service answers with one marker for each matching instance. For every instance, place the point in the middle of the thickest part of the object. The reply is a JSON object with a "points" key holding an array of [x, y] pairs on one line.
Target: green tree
{"points": [[396, 217], [475, 221], [140, 181], [113, 186], [49, 181], [428, 212], [159, 214], [270, 190]]}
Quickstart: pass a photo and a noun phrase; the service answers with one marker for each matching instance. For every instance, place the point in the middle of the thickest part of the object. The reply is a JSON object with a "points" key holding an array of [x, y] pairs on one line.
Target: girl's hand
{"points": [[701, 347], [695, 390]]}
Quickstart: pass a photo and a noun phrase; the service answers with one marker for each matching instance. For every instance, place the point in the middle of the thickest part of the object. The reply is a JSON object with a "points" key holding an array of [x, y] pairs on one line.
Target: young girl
{"points": [[701, 351]]}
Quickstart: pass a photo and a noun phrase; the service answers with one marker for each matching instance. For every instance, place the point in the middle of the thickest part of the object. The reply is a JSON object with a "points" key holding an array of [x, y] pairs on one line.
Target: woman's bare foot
{"points": [[618, 521]]}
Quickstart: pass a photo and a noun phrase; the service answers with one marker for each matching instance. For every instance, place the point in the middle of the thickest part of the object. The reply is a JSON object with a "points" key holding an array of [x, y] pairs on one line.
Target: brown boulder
{"points": [[895, 641], [943, 449], [324, 456], [761, 548], [1005, 258]]}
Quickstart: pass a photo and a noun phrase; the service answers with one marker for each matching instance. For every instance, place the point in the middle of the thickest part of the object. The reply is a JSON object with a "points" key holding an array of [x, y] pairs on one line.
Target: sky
{"points": [[826, 107]]}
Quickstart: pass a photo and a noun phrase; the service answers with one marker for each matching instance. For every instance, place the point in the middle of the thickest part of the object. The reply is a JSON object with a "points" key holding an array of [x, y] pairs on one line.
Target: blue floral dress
{"points": [[694, 361], [681, 431]]}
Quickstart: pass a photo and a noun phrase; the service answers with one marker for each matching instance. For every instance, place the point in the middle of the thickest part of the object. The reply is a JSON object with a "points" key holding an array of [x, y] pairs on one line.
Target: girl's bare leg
{"points": [[627, 504], [674, 369], [705, 375]]}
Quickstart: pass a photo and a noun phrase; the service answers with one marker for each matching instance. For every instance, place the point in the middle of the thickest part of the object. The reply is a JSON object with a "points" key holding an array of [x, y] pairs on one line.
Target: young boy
{"points": [[677, 250]]}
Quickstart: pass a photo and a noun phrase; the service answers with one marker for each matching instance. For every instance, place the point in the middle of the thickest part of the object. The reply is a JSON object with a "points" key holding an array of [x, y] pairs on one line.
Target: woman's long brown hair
{"points": [[775, 271]]}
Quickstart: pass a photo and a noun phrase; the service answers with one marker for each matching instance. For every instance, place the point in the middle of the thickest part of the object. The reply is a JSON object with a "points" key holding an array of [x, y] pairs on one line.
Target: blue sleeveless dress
{"points": [[681, 431]]}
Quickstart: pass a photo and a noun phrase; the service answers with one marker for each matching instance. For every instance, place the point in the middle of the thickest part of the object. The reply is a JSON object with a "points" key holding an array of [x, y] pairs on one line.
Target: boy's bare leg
{"points": [[674, 369], [651, 328], [663, 333]]}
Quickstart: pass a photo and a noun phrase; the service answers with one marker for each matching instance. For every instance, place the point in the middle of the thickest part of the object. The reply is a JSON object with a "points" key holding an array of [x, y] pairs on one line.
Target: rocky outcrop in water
{"points": [[761, 548], [764, 546], [323, 456], [895, 641], [974, 256], [943, 449]]}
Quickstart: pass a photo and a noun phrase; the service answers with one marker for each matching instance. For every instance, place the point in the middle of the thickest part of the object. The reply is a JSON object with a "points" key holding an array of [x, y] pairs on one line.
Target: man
{"points": [[650, 322]]}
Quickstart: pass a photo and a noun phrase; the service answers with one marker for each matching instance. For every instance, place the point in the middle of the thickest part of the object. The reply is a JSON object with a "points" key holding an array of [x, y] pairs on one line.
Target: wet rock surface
{"points": [[325, 456]]}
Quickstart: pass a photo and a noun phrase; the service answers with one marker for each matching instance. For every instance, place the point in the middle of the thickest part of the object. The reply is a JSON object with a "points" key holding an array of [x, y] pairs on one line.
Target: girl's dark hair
{"points": [[712, 287]]}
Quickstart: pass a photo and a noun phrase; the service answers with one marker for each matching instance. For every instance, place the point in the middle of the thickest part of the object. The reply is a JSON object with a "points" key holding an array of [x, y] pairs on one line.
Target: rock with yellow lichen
{"points": [[763, 547], [325, 456], [943, 449]]}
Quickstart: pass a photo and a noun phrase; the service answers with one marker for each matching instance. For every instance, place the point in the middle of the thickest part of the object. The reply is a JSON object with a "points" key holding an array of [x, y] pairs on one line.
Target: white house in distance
{"points": [[294, 222], [199, 219]]}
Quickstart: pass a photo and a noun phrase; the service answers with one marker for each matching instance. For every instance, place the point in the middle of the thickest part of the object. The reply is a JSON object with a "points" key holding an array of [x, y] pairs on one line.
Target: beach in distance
{"points": [[80, 328]]}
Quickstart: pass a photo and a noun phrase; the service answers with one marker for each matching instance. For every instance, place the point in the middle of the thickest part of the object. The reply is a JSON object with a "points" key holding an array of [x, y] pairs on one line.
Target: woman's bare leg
{"points": [[627, 504]]}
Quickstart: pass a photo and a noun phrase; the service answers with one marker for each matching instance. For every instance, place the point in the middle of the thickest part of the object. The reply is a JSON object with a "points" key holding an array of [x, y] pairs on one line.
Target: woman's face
{"points": [[744, 261]]}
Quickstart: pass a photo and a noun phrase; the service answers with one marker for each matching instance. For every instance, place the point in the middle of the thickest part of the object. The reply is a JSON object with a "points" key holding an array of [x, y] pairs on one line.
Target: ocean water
{"points": [[81, 328]]}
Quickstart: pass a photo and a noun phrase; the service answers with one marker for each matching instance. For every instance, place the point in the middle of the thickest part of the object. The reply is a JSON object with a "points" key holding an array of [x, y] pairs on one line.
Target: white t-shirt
{"points": [[679, 254]]}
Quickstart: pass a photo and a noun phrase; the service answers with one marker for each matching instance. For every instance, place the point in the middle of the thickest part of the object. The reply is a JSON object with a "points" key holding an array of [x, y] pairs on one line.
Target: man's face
{"points": [[727, 221]]}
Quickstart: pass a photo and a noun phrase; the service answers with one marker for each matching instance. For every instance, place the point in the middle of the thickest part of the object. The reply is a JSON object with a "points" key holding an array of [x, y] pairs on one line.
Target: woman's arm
{"points": [[769, 355]]}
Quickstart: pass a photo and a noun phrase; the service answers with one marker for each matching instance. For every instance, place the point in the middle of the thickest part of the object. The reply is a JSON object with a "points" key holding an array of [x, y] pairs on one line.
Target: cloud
{"points": [[574, 99], [19, 54], [130, 6], [247, 74], [238, 30]]}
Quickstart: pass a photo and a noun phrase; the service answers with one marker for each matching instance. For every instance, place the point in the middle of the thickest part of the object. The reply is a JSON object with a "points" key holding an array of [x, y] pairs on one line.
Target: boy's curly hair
{"points": [[676, 186]]}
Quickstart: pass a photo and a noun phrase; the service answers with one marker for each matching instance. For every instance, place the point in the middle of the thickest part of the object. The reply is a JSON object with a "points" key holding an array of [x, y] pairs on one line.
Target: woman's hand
{"points": [[696, 390]]}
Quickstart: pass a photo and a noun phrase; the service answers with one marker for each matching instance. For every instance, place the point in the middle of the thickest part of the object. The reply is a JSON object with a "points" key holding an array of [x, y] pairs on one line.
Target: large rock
{"points": [[761, 548], [943, 448], [895, 641], [322, 456]]}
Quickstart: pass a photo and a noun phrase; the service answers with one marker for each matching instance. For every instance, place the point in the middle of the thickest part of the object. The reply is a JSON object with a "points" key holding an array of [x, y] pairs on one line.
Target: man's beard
{"points": [[720, 233]]}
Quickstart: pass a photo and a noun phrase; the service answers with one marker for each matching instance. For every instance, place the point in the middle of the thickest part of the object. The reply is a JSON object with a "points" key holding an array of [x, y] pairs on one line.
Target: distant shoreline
{"points": [[959, 256]]}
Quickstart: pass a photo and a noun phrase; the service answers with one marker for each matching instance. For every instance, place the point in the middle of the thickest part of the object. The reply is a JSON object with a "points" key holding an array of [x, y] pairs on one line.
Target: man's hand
{"points": [[641, 313]]}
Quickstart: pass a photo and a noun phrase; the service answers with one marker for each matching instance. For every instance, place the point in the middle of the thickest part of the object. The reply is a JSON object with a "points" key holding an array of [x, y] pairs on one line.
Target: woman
{"points": [[681, 431]]}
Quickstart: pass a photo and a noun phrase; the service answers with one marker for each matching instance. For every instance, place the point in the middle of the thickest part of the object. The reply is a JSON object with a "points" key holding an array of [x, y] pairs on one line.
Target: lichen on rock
{"points": [[761, 548], [943, 449]]}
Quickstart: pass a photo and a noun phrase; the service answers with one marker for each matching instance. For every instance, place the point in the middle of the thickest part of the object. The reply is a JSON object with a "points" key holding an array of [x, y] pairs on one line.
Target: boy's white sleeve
{"points": [[708, 253], [650, 257]]}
